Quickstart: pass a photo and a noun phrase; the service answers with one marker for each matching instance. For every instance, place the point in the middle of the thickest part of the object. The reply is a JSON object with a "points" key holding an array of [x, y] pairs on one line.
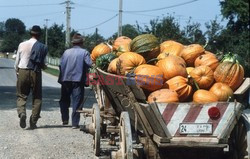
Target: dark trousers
{"points": [[29, 80], [76, 91]]}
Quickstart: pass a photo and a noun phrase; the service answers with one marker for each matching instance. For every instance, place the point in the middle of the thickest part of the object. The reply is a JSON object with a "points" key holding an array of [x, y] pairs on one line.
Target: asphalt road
{"points": [[51, 139]]}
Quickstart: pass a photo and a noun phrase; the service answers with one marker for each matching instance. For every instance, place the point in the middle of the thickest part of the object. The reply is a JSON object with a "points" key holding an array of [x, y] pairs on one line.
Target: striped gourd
{"points": [[147, 45]]}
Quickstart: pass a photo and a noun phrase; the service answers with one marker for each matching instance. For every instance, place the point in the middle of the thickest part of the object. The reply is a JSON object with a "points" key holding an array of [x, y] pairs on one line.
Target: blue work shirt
{"points": [[74, 64]]}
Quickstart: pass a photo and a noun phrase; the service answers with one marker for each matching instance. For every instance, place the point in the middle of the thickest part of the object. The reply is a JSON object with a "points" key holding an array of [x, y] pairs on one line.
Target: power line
{"points": [[157, 9], [98, 8], [100, 23], [38, 15], [28, 5]]}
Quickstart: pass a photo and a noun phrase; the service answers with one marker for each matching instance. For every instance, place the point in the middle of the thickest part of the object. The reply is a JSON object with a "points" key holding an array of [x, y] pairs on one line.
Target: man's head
{"points": [[77, 39], [35, 31]]}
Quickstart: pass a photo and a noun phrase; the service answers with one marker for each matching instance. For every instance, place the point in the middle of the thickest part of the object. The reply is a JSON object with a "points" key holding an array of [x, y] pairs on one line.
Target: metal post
{"points": [[46, 32], [120, 19], [68, 29]]}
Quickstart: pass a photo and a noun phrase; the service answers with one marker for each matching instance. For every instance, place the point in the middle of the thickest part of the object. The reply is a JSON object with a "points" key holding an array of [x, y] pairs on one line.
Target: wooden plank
{"points": [[160, 140], [232, 120], [160, 119], [156, 127], [244, 87]]}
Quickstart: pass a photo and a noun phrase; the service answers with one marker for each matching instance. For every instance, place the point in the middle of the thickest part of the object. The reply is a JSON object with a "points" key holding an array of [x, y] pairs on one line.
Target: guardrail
{"points": [[53, 61]]}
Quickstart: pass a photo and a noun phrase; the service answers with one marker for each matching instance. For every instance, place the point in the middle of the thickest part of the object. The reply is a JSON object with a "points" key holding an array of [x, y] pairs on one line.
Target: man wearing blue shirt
{"points": [[74, 66]]}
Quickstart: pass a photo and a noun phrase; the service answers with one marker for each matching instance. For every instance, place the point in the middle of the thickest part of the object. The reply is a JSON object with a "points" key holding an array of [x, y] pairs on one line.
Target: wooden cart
{"points": [[125, 126]]}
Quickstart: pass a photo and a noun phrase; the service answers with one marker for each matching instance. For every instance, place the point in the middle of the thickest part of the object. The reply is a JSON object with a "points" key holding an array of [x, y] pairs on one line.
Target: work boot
{"points": [[22, 120], [32, 124]]}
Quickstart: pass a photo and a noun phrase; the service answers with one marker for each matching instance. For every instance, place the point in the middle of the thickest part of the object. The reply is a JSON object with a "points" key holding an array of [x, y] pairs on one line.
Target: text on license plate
{"points": [[195, 128]]}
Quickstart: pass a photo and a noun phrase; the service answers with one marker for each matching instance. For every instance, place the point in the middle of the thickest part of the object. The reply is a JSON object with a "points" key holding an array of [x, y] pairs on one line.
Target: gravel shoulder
{"points": [[51, 139]]}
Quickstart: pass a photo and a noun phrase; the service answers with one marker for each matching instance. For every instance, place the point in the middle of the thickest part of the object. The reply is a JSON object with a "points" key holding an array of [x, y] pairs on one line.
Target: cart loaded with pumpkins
{"points": [[167, 100]]}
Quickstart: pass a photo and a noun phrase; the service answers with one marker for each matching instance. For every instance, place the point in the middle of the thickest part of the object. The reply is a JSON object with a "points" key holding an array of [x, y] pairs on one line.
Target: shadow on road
{"points": [[6, 67], [51, 96], [54, 126]]}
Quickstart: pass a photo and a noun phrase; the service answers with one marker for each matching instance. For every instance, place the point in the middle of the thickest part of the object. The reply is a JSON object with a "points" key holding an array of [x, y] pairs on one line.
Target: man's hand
{"points": [[44, 67]]}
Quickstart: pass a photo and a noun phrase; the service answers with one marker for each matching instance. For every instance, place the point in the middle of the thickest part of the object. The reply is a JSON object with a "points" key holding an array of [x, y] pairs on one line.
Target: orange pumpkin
{"points": [[162, 56], [122, 40], [171, 47], [204, 96], [99, 50], [123, 48], [172, 66], [208, 59], [191, 52], [230, 73], [163, 96], [128, 61], [222, 91], [180, 85], [112, 66], [203, 76], [149, 77]]}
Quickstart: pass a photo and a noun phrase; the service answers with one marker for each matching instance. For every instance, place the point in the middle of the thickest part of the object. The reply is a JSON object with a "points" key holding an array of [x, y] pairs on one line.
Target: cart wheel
{"points": [[96, 126], [238, 145], [126, 146]]}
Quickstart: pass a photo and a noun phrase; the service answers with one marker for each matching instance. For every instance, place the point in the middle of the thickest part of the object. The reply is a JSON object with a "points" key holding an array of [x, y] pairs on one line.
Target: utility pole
{"points": [[68, 29], [96, 32], [46, 31], [120, 19]]}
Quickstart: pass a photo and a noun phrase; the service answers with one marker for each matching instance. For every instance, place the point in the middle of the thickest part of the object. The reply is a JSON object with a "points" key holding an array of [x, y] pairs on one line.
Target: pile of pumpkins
{"points": [[170, 71]]}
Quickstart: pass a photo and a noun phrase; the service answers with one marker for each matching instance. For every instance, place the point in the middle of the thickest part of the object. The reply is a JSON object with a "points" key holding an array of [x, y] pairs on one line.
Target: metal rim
{"points": [[126, 146], [96, 126], [238, 142]]}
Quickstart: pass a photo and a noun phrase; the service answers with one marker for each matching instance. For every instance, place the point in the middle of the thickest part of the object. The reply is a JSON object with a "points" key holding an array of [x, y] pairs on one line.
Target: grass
{"points": [[52, 71]]}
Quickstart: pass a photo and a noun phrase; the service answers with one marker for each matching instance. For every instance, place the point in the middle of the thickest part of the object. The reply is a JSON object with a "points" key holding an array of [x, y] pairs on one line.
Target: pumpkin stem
{"points": [[205, 44], [192, 80], [152, 60]]}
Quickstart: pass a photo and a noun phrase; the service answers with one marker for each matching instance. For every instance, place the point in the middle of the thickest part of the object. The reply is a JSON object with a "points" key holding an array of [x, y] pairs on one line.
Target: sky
{"points": [[86, 15]]}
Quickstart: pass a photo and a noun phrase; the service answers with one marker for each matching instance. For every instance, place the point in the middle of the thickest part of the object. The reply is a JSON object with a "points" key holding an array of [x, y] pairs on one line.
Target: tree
{"points": [[165, 29], [91, 40], [13, 35], [127, 30], [14, 25], [236, 35], [193, 34], [56, 40], [2, 29], [213, 35]]}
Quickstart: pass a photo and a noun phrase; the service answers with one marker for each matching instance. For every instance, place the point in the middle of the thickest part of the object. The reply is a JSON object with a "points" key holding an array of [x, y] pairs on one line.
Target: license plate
{"points": [[195, 128]]}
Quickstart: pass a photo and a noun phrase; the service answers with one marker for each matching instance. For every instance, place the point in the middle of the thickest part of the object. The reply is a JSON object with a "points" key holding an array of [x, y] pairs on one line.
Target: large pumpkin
{"points": [[112, 66], [123, 48], [171, 47], [203, 76], [122, 40], [208, 59], [149, 77], [147, 45], [99, 50], [128, 61], [180, 85], [230, 73], [163, 96], [172, 66], [191, 52], [222, 91], [204, 96]]}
